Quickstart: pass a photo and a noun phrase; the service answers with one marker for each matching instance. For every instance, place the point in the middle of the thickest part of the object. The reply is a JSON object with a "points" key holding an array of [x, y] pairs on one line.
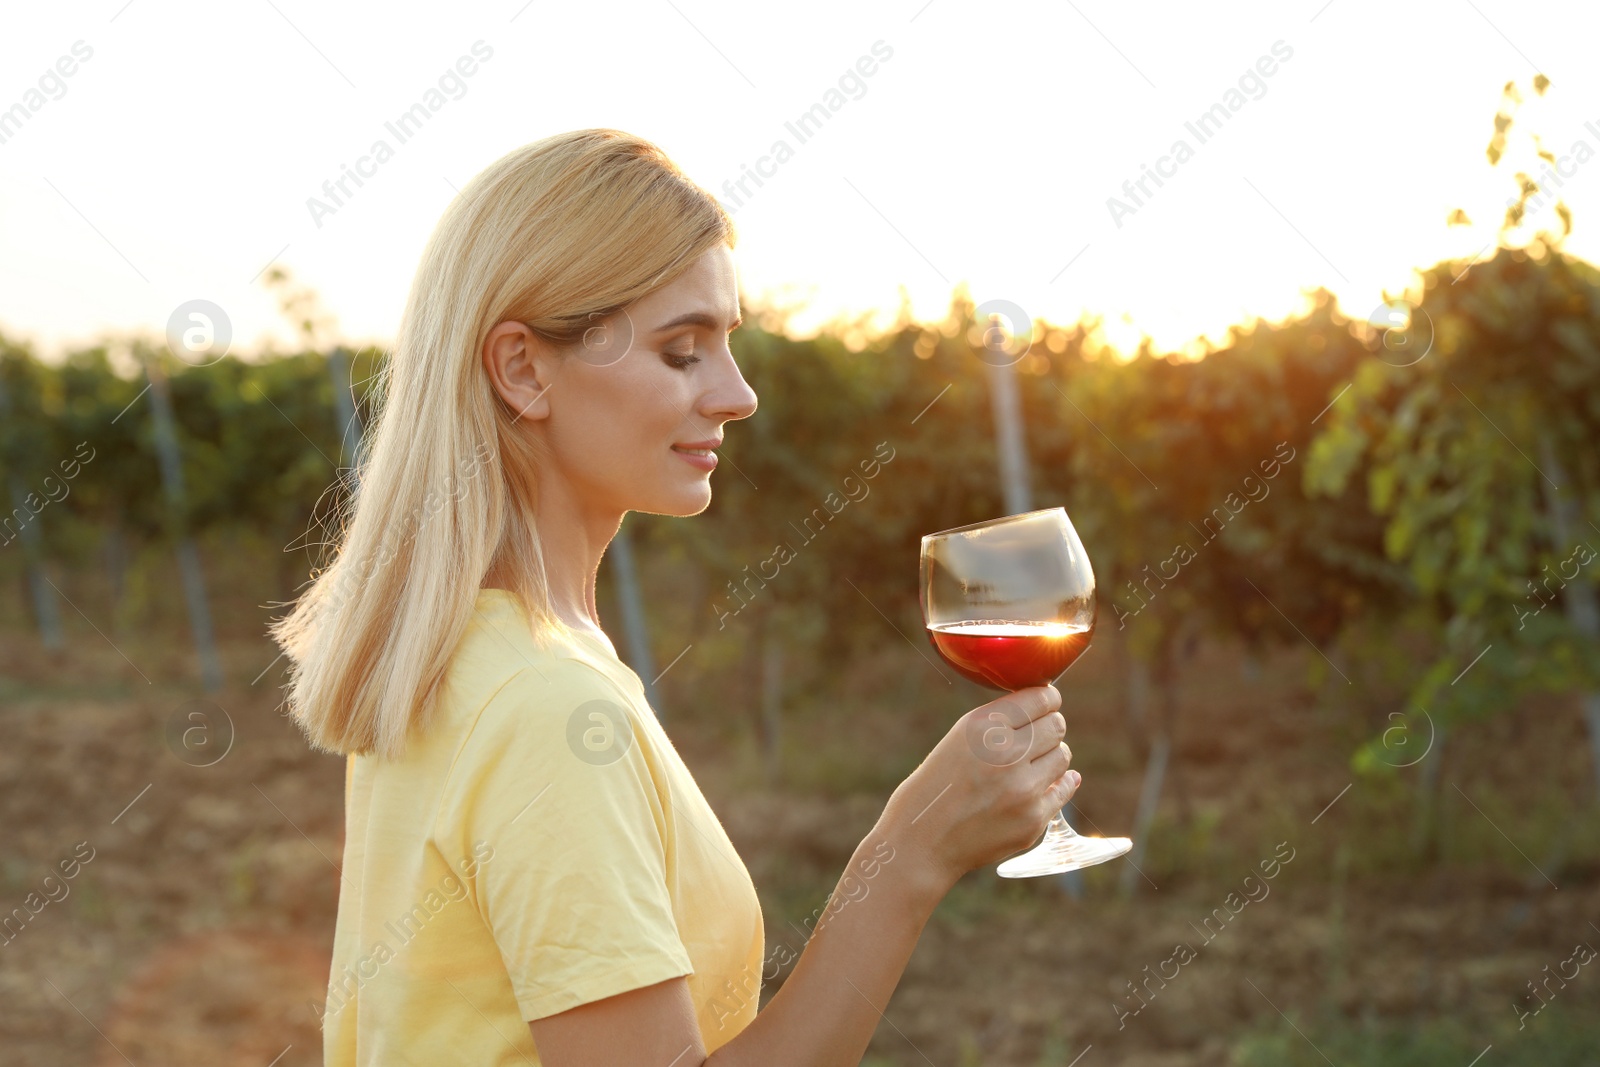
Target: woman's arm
{"points": [[985, 792], [824, 1014], [829, 1006]]}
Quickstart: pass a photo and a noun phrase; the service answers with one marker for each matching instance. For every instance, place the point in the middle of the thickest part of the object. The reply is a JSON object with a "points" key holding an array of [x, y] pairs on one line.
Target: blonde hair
{"points": [[559, 234]]}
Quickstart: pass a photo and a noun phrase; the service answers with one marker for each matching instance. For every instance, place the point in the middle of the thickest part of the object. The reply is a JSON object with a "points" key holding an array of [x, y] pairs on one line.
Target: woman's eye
{"points": [[680, 361]]}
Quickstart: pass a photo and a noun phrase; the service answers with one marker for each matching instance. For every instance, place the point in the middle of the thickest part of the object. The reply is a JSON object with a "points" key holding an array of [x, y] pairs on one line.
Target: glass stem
{"points": [[1059, 827]]}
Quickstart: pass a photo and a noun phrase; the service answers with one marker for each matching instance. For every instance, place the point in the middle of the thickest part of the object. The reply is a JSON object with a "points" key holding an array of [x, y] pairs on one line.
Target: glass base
{"points": [[1063, 849]]}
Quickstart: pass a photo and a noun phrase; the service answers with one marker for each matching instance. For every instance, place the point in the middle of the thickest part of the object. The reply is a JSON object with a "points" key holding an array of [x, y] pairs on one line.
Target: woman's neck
{"points": [[573, 539]]}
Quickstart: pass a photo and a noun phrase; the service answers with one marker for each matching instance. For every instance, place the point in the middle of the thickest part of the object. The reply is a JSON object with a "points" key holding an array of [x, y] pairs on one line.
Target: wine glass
{"points": [[1009, 603]]}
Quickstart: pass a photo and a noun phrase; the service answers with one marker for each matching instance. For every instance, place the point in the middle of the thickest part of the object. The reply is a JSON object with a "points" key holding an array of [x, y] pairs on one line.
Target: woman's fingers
{"points": [[1048, 732], [1062, 789], [1040, 742], [1024, 706], [1046, 769], [1048, 699], [1012, 775], [1017, 727], [1039, 726]]}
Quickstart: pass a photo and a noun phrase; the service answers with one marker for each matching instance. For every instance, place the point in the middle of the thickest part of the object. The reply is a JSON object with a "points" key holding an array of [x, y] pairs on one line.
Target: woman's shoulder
{"points": [[499, 647], [510, 694], [555, 722], [505, 669]]}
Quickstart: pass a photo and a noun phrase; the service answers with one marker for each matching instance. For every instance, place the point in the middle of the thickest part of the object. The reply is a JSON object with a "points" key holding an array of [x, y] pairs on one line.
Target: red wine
{"points": [[1011, 655]]}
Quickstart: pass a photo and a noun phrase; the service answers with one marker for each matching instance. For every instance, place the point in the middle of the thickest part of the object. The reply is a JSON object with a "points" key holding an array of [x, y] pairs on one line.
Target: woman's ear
{"points": [[521, 367]]}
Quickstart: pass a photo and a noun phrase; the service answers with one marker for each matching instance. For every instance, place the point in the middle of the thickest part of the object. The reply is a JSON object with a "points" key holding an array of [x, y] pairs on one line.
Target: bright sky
{"points": [[176, 161]]}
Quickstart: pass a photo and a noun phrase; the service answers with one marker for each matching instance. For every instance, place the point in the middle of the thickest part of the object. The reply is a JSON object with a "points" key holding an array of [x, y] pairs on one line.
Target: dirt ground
{"points": [[200, 930]]}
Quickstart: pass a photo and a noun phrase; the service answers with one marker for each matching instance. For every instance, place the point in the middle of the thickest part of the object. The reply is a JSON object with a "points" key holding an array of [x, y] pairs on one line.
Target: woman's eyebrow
{"points": [[697, 318]]}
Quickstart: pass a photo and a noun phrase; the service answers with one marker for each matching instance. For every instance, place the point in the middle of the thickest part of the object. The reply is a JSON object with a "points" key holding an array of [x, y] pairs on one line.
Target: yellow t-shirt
{"points": [[541, 846]]}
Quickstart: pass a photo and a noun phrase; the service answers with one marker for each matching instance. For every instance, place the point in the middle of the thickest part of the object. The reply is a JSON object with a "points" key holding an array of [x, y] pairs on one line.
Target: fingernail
{"points": [[1077, 778]]}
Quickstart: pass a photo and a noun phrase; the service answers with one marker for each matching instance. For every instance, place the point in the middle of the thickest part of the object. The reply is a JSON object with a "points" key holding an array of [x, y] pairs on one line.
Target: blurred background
{"points": [[1293, 308]]}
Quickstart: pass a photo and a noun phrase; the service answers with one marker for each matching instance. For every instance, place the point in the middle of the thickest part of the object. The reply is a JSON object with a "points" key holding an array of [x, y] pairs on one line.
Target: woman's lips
{"points": [[703, 458]]}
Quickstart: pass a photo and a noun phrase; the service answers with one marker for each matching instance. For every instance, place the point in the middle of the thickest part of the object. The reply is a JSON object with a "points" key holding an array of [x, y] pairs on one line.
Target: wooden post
{"points": [[1008, 439], [194, 588], [635, 632], [1014, 482], [772, 695], [45, 609], [1155, 770], [1578, 596], [344, 405]]}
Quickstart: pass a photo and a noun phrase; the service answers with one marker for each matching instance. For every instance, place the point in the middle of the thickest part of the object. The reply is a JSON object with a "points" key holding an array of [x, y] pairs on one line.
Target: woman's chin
{"points": [[702, 500], [682, 505]]}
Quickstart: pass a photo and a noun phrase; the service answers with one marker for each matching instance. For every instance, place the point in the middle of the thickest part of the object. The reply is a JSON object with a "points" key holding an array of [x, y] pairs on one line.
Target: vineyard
{"points": [[1320, 483], [1348, 611]]}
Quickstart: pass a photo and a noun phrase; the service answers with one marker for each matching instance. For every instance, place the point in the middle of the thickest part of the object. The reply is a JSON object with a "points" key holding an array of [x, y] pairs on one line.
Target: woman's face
{"points": [[622, 412]]}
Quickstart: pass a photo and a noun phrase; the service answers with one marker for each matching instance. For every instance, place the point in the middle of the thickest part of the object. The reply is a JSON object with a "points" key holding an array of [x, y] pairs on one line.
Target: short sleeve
{"points": [[553, 807]]}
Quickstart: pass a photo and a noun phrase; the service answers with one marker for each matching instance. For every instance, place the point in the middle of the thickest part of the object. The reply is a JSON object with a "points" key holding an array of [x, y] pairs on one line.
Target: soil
{"points": [[200, 931]]}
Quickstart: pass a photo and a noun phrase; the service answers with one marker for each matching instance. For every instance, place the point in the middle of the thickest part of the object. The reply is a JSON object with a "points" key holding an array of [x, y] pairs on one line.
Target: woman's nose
{"points": [[731, 399]]}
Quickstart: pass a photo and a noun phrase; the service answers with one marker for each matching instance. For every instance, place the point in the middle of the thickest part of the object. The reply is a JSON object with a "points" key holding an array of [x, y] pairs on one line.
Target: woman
{"points": [[530, 873]]}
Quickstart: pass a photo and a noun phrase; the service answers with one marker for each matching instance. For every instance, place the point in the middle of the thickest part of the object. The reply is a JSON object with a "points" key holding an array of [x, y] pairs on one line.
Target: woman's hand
{"points": [[987, 790]]}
